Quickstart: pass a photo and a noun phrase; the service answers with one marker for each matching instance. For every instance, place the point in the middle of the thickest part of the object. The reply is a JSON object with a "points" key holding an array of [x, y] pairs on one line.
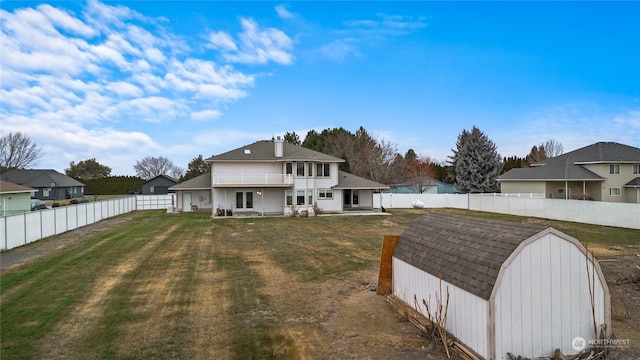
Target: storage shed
{"points": [[513, 288]]}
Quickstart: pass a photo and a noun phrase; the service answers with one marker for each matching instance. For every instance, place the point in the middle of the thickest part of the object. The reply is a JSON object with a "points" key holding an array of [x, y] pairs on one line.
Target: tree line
{"points": [[474, 165]]}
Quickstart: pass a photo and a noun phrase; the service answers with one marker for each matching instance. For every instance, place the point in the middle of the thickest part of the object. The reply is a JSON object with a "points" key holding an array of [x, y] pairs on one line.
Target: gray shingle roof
{"points": [[9, 187], [38, 178], [201, 182], [569, 166], [350, 181], [633, 183], [264, 151], [467, 252]]}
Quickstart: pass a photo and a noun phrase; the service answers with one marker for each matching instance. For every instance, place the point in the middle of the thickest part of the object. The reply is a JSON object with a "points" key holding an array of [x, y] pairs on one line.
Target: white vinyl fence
{"points": [[22, 229], [589, 212]]}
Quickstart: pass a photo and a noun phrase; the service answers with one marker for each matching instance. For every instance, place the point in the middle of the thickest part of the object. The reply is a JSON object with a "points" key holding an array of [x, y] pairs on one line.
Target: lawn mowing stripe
{"points": [[60, 281]]}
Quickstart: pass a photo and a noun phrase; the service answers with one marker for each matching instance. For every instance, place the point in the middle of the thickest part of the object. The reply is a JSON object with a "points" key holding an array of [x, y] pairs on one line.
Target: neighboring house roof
{"points": [[40, 178], [161, 176], [633, 183], [201, 182], [264, 151], [350, 181], [465, 252], [11, 188], [569, 166]]}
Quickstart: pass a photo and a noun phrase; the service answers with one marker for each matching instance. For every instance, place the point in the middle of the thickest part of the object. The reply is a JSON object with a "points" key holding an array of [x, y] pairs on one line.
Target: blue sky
{"points": [[119, 81]]}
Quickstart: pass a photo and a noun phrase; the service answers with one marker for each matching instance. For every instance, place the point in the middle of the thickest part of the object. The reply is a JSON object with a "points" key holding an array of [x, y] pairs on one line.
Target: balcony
{"points": [[252, 180]]}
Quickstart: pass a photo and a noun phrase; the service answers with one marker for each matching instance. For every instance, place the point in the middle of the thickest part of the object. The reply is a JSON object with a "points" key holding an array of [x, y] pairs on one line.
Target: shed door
{"points": [[186, 202]]}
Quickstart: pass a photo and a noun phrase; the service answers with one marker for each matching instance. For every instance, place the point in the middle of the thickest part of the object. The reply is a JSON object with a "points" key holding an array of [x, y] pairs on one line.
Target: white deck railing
{"points": [[252, 179]]}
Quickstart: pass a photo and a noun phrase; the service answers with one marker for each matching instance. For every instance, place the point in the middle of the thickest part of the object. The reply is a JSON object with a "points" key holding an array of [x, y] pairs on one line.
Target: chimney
{"points": [[278, 146]]}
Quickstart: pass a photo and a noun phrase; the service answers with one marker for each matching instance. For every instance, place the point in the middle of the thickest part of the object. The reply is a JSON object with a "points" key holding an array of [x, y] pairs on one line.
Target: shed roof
{"points": [[350, 181], [466, 252], [200, 182]]}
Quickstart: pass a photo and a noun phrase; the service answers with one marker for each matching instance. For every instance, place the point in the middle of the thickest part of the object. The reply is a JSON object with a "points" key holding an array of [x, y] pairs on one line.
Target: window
{"points": [[614, 191], [300, 197], [310, 197], [239, 200], [323, 170], [299, 169], [310, 170], [244, 200], [636, 169], [614, 169], [249, 200], [288, 168], [325, 194], [288, 196], [45, 192], [152, 189], [355, 200]]}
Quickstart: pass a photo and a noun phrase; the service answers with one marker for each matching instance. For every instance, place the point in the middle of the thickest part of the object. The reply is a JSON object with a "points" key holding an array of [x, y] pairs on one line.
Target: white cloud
{"points": [[284, 13], [339, 50], [206, 115], [260, 46], [67, 79], [222, 40]]}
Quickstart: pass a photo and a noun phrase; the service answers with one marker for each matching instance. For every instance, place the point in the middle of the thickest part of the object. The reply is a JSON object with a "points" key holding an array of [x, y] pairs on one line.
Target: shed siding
{"points": [[467, 315], [542, 301]]}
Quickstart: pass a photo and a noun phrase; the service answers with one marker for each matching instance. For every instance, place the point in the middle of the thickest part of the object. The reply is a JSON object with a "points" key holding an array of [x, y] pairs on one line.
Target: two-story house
{"points": [[273, 177], [604, 171]]}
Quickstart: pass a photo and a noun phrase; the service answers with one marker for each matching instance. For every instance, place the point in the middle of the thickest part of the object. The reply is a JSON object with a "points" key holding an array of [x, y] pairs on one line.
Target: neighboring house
{"points": [[604, 171], [431, 187], [50, 184], [272, 177], [14, 198], [193, 194], [158, 185]]}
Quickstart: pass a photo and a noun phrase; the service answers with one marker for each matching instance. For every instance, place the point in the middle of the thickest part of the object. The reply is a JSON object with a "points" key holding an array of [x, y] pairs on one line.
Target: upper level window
{"points": [[310, 170], [636, 169], [288, 168], [322, 170], [299, 169], [614, 169]]}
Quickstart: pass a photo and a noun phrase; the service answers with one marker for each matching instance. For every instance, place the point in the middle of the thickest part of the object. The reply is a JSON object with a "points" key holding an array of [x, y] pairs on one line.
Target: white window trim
{"points": [[615, 188]]}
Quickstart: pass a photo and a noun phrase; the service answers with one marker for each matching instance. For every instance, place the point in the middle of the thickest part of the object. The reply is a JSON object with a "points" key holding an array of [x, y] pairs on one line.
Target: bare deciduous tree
{"points": [[150, 167], [544, 151], [18, 152], [421, 173], [553, 148]]}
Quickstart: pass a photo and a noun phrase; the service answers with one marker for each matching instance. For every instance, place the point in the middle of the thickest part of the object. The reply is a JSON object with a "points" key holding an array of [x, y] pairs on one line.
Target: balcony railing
{"points": [[252, 179]]}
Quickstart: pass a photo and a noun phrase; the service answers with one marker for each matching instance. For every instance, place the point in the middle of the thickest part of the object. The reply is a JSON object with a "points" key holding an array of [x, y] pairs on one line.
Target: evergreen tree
{"points": [[196, 167], [292, 138], [477, 162]]}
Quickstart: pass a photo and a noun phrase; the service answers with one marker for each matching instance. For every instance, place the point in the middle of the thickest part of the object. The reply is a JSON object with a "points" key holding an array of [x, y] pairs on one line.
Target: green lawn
{"points": [[160, 285]]}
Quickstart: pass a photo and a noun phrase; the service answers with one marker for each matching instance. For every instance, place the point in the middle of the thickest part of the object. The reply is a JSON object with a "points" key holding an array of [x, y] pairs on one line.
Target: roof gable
{"points": [[264, 150], [159, 178], [466, 252]]}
